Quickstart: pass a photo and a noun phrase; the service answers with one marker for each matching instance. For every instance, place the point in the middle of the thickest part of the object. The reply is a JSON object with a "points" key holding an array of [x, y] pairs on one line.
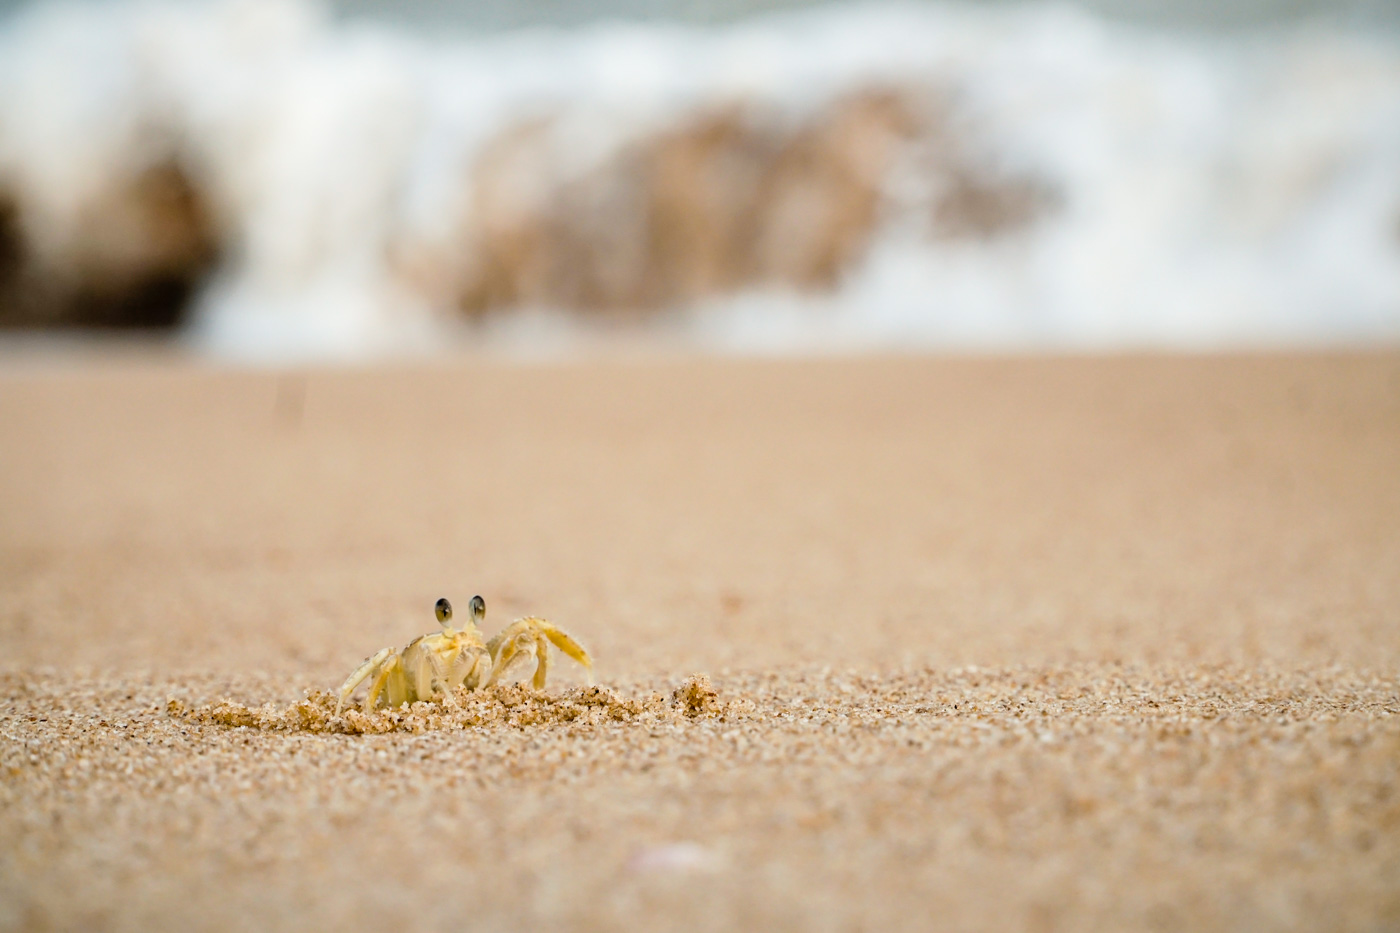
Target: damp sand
{"points": [[908, 644]]}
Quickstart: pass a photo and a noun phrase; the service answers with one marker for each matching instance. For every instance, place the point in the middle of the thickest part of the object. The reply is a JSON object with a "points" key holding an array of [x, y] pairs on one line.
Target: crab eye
{"points": [[478, 606], [443, 610]]}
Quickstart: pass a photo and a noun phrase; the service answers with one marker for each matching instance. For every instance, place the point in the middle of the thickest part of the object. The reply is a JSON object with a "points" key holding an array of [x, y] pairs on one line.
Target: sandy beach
{"points": [[1080, 643]]}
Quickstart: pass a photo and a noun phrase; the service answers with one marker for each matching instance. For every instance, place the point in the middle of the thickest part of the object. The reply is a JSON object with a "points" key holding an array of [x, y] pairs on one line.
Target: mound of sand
{"points": [[512, 705]]}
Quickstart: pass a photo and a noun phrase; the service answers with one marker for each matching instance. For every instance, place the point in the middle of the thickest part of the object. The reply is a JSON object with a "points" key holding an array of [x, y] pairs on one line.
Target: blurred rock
{"points": [[132, 259], [734, 198], [10, 248], [972, 206]]}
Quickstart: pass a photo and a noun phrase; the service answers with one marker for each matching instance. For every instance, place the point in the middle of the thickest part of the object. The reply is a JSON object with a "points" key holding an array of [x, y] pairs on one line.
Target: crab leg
{"points": [[391, 682], [358, 675], [437, 675], [566, 644], [480, 672], [514, 654], [398, 689], [468, 668], [417, 669], [542, 669]]}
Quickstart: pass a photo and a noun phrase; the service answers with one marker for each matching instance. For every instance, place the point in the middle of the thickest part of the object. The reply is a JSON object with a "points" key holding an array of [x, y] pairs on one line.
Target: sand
{"points": [[993, 644]]}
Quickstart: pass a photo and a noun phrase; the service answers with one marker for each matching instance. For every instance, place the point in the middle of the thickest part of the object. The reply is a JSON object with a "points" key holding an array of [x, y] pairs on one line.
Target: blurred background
{"points": [[279, 179]]}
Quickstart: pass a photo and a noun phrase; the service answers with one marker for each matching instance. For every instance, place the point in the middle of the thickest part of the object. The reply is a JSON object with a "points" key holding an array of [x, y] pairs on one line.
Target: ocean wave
{"points": [[855, 177]]}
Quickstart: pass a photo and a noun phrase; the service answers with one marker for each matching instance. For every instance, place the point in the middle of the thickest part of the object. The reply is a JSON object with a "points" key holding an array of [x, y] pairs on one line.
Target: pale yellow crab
{"points": [[440, 662]]}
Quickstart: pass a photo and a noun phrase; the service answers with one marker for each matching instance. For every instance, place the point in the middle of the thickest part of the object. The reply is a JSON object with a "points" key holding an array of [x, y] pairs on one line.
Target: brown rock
{"points": [[732, 198], [140, 252]]}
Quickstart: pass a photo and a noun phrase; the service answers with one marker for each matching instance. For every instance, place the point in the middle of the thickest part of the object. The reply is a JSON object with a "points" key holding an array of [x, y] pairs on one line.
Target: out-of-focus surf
{"points": [[856, 177]]}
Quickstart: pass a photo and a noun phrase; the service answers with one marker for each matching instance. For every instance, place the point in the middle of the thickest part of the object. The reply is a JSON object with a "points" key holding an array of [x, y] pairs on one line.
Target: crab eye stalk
{"points": [[478, 607], [443, 610]]}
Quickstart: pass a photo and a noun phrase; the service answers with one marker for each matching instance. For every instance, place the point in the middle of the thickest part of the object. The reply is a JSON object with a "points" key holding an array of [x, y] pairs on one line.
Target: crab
{"points": [[440, 662]]}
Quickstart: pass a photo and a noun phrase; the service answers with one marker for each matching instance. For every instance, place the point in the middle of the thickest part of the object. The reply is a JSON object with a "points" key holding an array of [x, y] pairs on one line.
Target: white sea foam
{"points": [[1209, 191]]}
